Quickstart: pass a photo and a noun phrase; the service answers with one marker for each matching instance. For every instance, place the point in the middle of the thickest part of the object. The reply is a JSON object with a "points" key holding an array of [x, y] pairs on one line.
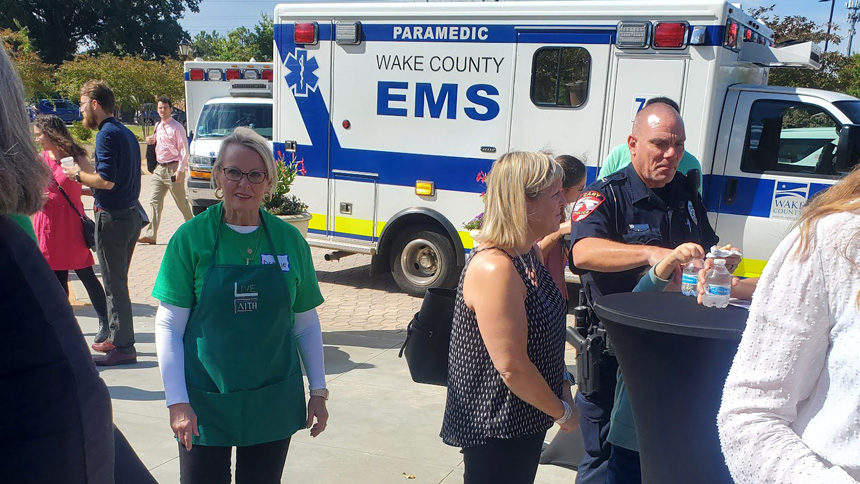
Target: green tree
{"points": [[59, 27], [240, 44], [35, 74], [134, 80], [798, 28]]}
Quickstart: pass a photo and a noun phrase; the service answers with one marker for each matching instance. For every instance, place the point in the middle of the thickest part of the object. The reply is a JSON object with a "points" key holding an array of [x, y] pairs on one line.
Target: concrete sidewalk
{"points": [[383, 428]]}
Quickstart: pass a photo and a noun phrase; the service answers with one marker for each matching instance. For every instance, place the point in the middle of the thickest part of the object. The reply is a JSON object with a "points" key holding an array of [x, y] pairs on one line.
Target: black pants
{"points": [[116, 235], [594, 415], [510, 461], [255, 464], [94, 289], [623, 467]]}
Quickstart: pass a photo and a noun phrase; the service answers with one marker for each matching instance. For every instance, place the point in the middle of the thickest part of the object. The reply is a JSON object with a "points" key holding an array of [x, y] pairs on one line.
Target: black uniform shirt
{"points": [[623, 209]]}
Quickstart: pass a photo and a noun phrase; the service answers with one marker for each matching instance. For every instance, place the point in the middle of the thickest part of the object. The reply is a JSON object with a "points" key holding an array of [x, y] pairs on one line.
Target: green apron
{"points": [[241, 362]]}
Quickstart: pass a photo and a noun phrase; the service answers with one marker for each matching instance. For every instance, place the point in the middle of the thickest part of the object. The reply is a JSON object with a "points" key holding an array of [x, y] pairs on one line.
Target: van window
{"points": [[792, 138], [218, 120], [560, 76]]}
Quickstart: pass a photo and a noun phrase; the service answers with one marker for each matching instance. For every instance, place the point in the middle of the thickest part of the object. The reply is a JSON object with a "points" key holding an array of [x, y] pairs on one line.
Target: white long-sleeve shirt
{"points": [[791, 405]]}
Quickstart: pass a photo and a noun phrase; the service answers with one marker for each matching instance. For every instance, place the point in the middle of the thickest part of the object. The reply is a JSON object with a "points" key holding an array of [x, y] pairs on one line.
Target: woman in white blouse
{"points": [[791, 404]]}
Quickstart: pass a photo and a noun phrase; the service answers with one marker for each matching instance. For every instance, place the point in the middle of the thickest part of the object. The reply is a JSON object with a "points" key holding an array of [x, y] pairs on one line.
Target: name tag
{"points": [[640, 227], [283, 261]]}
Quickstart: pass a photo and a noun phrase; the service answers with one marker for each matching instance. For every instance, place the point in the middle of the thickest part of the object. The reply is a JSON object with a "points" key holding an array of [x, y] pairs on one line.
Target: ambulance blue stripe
{"points": [[341, 234], [754, 196]]}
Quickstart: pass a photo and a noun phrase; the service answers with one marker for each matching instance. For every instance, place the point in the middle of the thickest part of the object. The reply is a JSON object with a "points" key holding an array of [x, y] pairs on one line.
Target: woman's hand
{"points": [[674, 262], [701, 287], [183, 421], [571, 423], [317, 409]]}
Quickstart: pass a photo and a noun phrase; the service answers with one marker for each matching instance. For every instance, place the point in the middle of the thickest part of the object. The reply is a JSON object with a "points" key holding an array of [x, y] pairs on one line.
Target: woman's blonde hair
{"points": [[250, 139], [844, 196], [514, 178], [23, 175]]}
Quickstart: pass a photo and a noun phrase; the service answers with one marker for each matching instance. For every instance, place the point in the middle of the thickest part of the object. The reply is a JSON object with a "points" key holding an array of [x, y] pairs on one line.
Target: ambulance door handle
{"points": [[731, 191]]}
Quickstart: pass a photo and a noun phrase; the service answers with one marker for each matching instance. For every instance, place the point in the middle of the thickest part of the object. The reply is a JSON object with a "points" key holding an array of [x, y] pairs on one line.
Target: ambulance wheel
{"points": [[423, 258]]}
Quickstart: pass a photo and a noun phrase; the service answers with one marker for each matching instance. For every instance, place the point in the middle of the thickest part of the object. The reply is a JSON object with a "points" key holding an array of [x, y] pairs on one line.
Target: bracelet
{"points": [[567, 413]]}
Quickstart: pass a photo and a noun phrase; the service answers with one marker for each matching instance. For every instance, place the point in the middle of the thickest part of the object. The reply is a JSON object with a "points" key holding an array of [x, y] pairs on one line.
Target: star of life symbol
{"points": [[301, 77]]}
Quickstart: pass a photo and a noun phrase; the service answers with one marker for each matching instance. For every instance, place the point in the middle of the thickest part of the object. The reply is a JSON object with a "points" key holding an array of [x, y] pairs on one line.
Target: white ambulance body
{"points": [[395, 112], [220, 96]]}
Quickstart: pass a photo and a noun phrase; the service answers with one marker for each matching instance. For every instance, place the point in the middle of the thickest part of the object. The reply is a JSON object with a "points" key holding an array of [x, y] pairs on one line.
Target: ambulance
{"points": [[394, 113], [220, 96]]}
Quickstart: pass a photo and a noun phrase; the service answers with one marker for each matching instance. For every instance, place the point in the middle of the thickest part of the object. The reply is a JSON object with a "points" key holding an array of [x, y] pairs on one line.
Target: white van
{"points": [[396, 111], [220, 96]]}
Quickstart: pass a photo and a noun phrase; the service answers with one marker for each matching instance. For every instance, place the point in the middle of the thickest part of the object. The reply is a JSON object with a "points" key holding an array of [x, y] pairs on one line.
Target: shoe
{"points": [[146, 240], [114, 357], [104, 346], [103, 334]]}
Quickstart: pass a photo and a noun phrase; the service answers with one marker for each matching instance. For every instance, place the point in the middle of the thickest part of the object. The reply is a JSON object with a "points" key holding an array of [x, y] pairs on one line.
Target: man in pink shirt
{"points": [[171, 152]]}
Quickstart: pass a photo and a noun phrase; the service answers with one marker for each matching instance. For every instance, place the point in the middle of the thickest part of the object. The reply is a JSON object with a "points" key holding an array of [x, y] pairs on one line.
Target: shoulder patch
{"points": [[587, 203]]}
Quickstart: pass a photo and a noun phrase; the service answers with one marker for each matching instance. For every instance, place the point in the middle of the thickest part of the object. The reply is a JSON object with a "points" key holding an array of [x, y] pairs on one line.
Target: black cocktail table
{"points": [[674, 355]]}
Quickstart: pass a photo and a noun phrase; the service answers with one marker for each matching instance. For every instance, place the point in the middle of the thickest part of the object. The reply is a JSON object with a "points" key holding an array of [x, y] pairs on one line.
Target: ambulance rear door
{"points": [[560, 90]]}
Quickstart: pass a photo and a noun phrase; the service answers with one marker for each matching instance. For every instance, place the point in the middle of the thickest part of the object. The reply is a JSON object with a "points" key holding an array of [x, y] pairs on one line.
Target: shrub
{"points": [[80, 133]]}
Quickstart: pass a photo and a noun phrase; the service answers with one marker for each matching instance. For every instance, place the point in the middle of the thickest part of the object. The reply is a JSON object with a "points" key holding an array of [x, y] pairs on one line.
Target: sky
{"points": [[225, 15]]}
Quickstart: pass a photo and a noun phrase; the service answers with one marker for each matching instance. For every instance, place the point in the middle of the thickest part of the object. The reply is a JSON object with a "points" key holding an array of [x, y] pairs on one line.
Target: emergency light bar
{"points": [[664, 35], [250, 88], [233, 73]]}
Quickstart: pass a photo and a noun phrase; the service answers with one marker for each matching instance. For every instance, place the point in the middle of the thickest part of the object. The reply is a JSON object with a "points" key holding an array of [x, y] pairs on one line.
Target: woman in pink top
{"points": [[552, 247], [58, 227]]}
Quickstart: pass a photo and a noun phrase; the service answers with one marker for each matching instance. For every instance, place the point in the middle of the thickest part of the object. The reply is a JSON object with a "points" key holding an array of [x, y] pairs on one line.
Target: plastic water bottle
{"points": [[718, 285], [691, 277]]}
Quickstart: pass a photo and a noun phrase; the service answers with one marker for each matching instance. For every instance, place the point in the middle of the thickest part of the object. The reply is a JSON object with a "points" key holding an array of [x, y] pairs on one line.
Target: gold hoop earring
{"points": [[219, 193]]}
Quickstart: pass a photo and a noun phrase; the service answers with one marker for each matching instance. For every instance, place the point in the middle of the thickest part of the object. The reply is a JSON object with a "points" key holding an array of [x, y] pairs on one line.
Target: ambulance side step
{"points": [[341, 245]]}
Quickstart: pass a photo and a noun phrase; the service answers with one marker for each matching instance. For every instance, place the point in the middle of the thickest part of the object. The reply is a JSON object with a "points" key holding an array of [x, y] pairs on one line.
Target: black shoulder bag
{"points": [[428, 336], [151, 162], [89, 227]]}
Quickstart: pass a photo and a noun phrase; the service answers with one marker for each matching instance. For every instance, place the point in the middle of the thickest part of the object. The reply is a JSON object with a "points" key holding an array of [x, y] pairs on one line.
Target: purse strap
{"points": [[63, 192]]}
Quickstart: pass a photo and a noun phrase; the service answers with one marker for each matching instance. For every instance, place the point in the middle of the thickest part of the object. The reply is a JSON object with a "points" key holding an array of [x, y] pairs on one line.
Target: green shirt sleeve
{"points": [[308, 295], [617, 159], [175, 281]]}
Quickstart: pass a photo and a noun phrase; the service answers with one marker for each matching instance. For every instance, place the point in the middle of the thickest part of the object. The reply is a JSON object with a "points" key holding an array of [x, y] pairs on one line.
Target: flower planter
{"points": [[299, 221]]}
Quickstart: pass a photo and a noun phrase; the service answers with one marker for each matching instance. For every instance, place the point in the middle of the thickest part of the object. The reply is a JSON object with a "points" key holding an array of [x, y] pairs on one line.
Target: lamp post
{"points": [[829, 22], [185, 47]]}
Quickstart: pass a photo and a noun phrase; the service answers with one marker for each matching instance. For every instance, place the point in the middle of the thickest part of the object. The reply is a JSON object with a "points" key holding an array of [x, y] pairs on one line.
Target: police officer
{"points": [[621, 225]]}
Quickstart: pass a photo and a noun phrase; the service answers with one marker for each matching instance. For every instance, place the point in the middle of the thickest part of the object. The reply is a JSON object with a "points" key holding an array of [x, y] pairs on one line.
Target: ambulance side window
{"points": [[790, 137], [560, 76]]}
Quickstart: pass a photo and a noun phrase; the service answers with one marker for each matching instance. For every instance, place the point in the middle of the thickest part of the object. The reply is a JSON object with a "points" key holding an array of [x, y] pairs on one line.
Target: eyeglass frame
{"points": [[247, 175]]}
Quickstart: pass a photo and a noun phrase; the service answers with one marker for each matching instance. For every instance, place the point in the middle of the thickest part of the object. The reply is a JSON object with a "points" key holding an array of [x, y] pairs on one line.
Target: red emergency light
{"points": [[731, 35], [748, 35], [670, 35], [196, 75], [267, 75], [306, 33], [233, 74]]}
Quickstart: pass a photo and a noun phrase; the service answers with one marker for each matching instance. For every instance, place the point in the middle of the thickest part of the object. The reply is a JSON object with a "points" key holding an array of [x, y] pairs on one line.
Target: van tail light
{"points": [[233, 74], [670, 35], [306, 33], [196, 75], [267, 75]]}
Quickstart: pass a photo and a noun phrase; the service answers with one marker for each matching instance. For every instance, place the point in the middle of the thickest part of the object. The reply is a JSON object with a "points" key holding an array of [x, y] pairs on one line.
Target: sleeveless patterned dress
{"points": [[479, 404]]}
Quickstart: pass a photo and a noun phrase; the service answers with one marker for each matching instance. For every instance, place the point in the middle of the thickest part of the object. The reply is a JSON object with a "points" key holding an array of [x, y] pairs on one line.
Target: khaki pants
{"points": [[161, 184]]}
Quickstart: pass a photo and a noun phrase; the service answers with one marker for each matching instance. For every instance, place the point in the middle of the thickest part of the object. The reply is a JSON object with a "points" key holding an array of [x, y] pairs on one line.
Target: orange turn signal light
{"points": [[200, 174], [425, 188]]}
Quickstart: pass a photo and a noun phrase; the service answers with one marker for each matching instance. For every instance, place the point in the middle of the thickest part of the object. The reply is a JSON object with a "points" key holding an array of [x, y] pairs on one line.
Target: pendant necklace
{"points": [[249, 253]]}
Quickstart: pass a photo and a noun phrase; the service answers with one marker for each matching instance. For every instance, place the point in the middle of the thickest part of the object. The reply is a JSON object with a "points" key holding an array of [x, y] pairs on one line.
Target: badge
{"points": [[692, 212], [283, 261], [587, 203]]}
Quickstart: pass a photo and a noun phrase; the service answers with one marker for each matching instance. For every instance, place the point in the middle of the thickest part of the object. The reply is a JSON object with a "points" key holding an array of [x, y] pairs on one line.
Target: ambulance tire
{"points": [[423, 258]]}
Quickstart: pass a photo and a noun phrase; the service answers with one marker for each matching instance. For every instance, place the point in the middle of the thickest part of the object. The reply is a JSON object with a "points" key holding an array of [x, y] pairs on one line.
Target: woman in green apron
{"points": [[238, 293]]}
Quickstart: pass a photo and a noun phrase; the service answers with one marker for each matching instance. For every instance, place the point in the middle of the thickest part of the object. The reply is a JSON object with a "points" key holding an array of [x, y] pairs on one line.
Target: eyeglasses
{"points": [[255, 177]]}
